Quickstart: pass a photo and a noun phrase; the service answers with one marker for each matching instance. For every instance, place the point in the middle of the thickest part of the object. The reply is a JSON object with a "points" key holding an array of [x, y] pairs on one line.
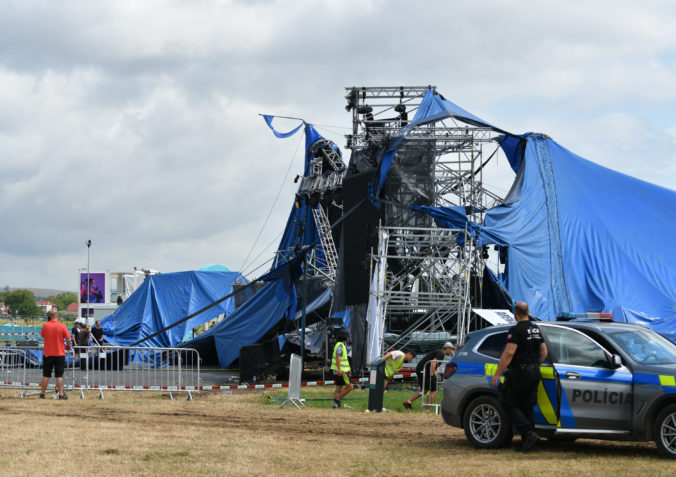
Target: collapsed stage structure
{"points": [[393, 244]]}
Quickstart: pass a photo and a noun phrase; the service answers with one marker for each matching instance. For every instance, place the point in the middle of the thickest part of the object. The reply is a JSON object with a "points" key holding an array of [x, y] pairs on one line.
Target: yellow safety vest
{"points": [[344, 363], [392, 366]]}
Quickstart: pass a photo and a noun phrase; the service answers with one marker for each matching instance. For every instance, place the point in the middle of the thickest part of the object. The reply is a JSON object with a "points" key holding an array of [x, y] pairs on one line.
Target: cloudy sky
{"points": [[135, 123]]}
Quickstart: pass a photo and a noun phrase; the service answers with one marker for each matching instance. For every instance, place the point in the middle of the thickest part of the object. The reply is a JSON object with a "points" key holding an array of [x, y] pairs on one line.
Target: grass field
{"points": [[245, 433], [357, 400]]}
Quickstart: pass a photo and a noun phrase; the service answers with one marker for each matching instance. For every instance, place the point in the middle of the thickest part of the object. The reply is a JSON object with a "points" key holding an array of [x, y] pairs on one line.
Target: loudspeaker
{"points": [[360, 235], [258, 361]]}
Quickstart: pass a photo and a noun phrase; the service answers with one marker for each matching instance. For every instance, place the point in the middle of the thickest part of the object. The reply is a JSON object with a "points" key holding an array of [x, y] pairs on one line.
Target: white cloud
{"points": [[136, 124]]}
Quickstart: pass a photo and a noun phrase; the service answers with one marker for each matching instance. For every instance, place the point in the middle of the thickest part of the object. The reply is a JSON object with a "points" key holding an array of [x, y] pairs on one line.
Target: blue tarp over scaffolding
{"points": [[433, 107], [277, 299], [164, 299], [581, 237]]}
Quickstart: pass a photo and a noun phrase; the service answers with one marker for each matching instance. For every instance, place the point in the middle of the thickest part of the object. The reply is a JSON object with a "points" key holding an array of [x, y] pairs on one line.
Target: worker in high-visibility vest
{"points": [[340, 366], [394, 360]]}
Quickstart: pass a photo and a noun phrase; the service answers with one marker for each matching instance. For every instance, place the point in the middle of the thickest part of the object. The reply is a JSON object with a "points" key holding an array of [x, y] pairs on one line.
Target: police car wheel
{"points": [[665, 431], [486, 423]]}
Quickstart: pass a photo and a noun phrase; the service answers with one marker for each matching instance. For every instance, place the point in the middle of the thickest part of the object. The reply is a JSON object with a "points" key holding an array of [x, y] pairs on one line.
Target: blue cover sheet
{"points": [[433, 107], [163, 300], [582, 238], [275, 301]]}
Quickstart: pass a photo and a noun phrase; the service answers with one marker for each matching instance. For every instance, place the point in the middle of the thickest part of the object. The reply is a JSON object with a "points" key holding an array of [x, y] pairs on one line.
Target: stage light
{"points": [[365, 109], [351, 100]]}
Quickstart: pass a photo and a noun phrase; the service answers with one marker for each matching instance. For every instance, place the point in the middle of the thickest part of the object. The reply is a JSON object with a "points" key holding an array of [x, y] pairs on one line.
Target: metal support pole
{"points": [[302, 320], [89, 283]]}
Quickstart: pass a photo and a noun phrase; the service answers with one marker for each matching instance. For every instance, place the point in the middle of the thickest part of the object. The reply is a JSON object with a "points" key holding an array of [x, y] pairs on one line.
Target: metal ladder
{"points": [[328, 245]]}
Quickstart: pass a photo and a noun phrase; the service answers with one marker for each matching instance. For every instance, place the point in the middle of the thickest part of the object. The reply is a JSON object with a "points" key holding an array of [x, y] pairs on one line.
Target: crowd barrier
{"points": [[101, 368], [295, 373], [439, 383]]}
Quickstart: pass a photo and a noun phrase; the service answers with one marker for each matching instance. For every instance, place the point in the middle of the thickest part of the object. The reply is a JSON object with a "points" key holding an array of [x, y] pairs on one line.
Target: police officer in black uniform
{"points": [[524, 352]]}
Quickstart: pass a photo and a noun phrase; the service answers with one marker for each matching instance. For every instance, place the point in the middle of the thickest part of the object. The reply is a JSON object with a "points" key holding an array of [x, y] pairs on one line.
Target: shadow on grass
{"points": [[595, 448], [579, 449]]}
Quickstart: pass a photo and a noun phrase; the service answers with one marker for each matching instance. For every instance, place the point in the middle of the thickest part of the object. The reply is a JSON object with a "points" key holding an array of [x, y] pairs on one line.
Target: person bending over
{"points": [[394, 360]]}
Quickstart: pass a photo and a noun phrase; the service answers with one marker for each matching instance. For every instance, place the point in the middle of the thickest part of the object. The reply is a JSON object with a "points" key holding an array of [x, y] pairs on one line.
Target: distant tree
{"points": [[62, 300], [22, 302]]}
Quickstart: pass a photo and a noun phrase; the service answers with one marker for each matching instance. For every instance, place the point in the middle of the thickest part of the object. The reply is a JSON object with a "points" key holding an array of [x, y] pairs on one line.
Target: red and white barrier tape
{"points": [[200, 388]]}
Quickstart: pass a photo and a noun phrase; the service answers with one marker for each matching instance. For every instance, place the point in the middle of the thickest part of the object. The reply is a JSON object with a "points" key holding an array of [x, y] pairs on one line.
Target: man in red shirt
{"points": [[57, 340]]}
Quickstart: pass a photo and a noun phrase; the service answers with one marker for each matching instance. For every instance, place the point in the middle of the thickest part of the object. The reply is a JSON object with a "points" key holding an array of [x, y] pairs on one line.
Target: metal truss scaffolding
{"points": [[427, 295], [428, 290]]}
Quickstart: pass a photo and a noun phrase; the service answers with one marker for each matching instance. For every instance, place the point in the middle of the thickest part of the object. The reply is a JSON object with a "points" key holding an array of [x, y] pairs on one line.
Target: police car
{"points": [[601, 380]]}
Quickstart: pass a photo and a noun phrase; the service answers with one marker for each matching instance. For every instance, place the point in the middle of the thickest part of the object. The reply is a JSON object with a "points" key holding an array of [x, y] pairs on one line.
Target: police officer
{"points": [[524, 352], [340, 365]]}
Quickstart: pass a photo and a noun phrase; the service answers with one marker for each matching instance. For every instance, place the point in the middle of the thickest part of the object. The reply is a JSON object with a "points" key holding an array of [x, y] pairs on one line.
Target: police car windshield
{"points": [[646, 346]]}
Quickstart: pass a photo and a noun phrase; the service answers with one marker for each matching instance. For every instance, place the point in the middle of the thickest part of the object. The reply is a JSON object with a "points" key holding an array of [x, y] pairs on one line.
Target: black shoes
{"points": [[336, 404], [408, 405], [528, 442], [63, 396], [42, 396]]}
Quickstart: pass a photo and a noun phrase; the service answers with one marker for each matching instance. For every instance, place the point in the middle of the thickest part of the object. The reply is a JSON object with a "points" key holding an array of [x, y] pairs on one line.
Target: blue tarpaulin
{"points": [[275, 301], [268, 120], [434, 107], [214, 267], [582, 238], [300, 227], [164, 299]]}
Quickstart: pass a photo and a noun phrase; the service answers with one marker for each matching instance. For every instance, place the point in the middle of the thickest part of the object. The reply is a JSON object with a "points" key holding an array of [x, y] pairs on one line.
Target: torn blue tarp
{"points": [[343, 315], [583, 238], [321, 300], [268, 120], [164, 299], [311, 137], [301, 230], [434, 107], [275, 301], [513, 146], [456, 218]]}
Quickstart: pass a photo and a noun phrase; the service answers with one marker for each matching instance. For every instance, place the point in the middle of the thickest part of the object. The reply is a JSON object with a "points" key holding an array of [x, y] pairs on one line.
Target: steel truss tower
{"points": [[319, 189], [430, 276]]}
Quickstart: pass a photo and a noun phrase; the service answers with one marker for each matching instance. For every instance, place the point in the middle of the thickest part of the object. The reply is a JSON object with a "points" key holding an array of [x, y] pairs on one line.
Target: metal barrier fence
{"points": [[102, 368], [438, 381], [295, 372]]}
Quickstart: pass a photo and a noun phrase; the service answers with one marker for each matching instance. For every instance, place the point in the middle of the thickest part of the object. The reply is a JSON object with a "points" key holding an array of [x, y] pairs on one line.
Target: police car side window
{"points": [[572, 347], [493, 345]]}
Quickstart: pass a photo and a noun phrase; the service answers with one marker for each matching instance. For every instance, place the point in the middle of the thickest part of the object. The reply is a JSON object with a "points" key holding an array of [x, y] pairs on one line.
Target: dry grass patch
{"points": [[236, 434]]}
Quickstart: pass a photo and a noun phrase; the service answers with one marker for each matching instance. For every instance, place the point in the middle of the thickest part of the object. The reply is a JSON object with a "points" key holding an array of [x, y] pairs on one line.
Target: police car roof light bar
{"points": [[589, 316]]}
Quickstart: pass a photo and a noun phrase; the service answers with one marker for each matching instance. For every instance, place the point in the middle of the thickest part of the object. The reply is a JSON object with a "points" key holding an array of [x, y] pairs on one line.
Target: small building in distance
{"points": [[46, 305]]}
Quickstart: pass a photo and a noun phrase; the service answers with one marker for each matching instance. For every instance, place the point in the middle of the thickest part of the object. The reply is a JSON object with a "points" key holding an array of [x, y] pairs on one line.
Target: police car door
{"points": [[594, 396]]}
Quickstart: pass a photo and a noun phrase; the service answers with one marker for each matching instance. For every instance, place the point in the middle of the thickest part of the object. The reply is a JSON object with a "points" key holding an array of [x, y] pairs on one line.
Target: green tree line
{"points": [[22, 302], [62, 300]]}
